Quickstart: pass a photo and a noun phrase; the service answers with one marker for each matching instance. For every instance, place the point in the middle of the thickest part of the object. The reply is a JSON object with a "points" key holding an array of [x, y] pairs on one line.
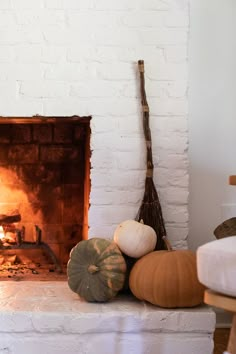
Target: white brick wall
{"points": [[66, 57]]}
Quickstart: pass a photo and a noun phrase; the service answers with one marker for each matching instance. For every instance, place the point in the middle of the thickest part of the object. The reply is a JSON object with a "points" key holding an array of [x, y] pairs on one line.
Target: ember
{"points": [[13, 269]]}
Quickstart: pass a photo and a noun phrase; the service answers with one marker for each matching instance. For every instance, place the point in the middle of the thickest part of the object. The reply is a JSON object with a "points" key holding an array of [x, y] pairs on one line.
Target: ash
{"points": [[16, 268]]}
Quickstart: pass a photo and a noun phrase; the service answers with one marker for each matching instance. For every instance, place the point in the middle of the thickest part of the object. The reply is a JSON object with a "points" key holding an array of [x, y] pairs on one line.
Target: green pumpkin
{"points": [[96, 270]]}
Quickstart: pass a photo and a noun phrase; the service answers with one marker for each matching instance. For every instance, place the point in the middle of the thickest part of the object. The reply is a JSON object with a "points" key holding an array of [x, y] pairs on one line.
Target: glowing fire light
{"points": [[2, 235]]}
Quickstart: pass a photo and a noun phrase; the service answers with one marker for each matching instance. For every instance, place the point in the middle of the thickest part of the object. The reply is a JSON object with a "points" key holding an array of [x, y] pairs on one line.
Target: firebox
{"points": [[44, 194]]}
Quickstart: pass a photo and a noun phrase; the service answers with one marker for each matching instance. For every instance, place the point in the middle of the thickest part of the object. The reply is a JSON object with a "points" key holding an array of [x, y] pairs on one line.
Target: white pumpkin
{"points": [[134, 238]]}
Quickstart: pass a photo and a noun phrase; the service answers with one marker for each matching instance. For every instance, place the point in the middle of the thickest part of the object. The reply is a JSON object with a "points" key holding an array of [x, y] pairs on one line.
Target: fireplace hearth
{"points": [[44, 189]]}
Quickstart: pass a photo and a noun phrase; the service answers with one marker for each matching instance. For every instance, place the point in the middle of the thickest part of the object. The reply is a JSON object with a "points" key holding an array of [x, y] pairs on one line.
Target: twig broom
{"points": [[150, 210]]}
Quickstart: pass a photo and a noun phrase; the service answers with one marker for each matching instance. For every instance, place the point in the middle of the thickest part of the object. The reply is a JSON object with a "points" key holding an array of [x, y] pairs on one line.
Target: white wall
{"points": [[212, 117], [66, 57]]}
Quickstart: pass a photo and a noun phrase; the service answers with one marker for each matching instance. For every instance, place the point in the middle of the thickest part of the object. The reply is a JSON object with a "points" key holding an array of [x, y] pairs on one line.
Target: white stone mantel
{"points": [[46, 317]]}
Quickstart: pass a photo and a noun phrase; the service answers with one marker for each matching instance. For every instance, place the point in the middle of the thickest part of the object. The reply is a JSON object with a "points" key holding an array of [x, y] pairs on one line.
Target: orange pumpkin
{"points": [[167, 279]]}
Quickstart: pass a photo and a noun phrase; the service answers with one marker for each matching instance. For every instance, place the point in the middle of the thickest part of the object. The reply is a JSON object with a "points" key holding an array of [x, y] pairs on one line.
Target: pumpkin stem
{"points": [[92, 268], [167, 243]]}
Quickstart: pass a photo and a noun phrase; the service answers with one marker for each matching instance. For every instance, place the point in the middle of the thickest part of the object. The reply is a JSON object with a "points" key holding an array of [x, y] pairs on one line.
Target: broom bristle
{"points": [[151, 214]]}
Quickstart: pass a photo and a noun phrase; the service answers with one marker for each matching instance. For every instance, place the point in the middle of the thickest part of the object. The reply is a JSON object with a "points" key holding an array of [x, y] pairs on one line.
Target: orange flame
{"points": [[2, 235]]}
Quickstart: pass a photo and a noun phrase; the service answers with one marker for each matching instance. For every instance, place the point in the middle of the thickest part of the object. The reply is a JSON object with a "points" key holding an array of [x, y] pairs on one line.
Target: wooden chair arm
{"points": [[232, 180]]}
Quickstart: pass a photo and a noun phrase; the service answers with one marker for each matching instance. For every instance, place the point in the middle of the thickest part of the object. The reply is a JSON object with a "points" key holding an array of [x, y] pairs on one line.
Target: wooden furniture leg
{"points": [[227, 303], [232, 338]]}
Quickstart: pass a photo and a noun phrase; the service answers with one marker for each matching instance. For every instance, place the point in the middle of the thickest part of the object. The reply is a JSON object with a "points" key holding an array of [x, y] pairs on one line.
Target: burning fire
{"points": [[2, 235]]}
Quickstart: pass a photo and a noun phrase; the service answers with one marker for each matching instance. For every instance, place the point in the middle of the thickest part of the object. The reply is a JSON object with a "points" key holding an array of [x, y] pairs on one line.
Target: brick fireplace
{"points": [[60, 58], [53, 64], [45, 184]]}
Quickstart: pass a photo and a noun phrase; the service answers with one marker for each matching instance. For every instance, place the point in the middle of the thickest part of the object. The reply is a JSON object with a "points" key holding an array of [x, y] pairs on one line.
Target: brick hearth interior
{"points": [[44, 168]]}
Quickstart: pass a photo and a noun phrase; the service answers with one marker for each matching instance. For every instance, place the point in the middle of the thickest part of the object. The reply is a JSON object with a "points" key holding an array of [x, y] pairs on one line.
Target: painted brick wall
{"points": [[66, 57]]}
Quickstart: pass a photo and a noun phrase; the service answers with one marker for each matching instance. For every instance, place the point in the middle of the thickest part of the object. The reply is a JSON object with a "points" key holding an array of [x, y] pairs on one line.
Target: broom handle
{"points": [[146, 128]]}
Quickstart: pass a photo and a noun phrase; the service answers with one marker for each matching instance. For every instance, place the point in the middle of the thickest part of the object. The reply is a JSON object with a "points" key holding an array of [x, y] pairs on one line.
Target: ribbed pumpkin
{"points": [[167, 279], [96, 269]]}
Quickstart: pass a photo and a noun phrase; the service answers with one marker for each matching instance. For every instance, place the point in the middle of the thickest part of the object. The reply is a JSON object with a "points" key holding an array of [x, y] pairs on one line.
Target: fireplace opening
{"points": [[44, 194]]}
